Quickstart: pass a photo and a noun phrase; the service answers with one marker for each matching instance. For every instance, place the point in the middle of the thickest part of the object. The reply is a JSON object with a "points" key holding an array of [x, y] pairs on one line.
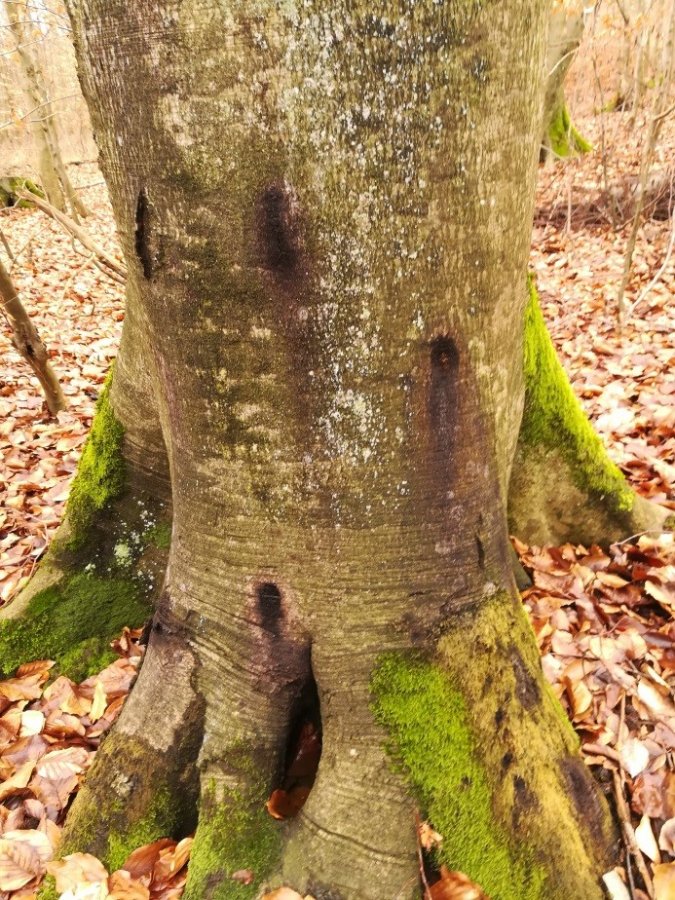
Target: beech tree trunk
{"points": [[327, 230]]}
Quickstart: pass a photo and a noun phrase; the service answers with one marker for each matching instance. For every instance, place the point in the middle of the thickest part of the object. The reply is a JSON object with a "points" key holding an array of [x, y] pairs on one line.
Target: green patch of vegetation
{"points": [[9, 187], [235, 832], [563, 137], [554, 418], [48, 889], [100, 475], [431, 740], [73, 623], [159, 535], [157, 822]]}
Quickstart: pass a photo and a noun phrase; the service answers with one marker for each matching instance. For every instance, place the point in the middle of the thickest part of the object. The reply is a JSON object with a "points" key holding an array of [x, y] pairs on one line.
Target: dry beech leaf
{"points": [[23, 857], [121, 886], [667, 837], [664, 881], [77, 869], [428, 838], [99, 702], [171, 862], [455, 886], [141, 863], [646, 840], [32, 722], [616, 886], [634, 756]]}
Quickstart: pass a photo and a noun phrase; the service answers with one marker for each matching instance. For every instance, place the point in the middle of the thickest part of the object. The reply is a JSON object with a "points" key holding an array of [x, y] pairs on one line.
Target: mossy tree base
{"points": [[498, 771], [564, 486], [562, 138]]}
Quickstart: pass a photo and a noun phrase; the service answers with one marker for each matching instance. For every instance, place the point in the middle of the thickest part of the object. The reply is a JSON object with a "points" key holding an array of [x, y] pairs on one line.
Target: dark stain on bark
{"points": [[268, 598], [480, 550], [279, 232], [527, 689], [524, 801], [586, 801], [142, 233], [443, 398]]}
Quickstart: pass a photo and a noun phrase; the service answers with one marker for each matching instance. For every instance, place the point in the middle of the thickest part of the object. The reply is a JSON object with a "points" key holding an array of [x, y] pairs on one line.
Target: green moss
{"points": [[235, 832], [426, 718], [129, 799], [158, 822], [159, 536], [564, 139], [73, 623], [100, 475], [48, 889], [87, 658], [554, 418], [9, 187]]}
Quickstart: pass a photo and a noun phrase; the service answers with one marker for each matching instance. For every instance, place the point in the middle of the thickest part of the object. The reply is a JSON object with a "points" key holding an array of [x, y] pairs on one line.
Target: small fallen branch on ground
{"points": [[28, 343], [112, 267]]}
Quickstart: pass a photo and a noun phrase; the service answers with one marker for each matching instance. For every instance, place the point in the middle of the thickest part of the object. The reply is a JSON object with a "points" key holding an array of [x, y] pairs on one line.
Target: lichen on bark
{"points": [[144, 803]]}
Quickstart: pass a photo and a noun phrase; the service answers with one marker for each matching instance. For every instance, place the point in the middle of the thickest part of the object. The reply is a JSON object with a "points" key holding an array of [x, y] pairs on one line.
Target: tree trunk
{"points": [[565, 31], [53, 174], [327, 233]]}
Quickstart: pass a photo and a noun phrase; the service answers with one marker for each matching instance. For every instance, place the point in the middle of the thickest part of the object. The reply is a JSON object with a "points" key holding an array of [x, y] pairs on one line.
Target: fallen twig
{"points": [[629, 833], [28, 343], [112, 266]]}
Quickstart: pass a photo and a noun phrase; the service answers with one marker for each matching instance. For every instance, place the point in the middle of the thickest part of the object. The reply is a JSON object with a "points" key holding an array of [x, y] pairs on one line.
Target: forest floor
{"points": [[603, 617]]}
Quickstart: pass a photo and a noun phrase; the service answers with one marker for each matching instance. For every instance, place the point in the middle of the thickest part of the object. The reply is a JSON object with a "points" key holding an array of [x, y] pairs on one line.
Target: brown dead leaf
{"points": [[455, 886]]}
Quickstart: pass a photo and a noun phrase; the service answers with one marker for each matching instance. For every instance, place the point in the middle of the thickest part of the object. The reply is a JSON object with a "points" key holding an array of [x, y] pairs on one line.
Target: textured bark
{"points": [[327, 231]]}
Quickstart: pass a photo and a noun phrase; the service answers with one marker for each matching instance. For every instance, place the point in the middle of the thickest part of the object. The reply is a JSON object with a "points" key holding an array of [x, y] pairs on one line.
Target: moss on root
{"points": [[563, 137], [158, 821], [48, 889], [235, 832], [100, 475], [134, 804], [493, 761], [427, 719], [73, 623], [553, 417], [159, 536]]}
